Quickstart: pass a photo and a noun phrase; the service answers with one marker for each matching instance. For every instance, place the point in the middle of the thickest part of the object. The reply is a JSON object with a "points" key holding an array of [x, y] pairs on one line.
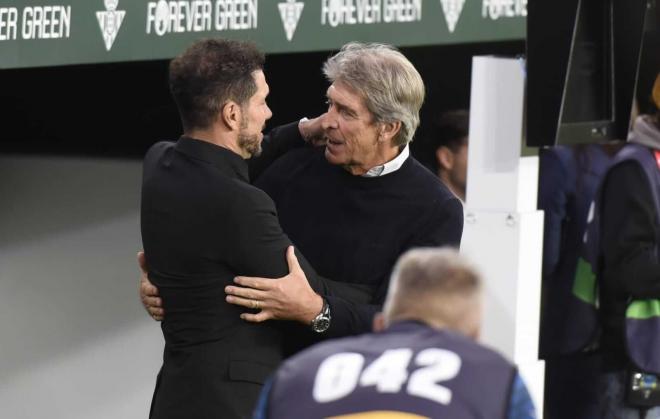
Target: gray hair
{"points": [[390, 85], [436, 286]]}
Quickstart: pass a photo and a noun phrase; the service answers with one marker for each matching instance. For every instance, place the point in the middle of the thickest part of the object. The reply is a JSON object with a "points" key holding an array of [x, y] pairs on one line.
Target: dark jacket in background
{"points": [[629, 245]]}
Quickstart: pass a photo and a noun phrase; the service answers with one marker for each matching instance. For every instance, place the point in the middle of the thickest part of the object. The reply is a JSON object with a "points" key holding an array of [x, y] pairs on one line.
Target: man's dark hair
{"points": [[449, 129], [210, 73]]}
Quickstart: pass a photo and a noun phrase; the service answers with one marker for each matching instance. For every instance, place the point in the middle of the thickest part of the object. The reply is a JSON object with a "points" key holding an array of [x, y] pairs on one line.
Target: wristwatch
{"points": [[321, 322]]}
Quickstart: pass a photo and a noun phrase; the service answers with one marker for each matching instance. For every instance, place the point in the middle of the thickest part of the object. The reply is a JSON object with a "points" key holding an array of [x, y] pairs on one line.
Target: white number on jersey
{"points": [[439, 365], [389, 371], [339, 374]]}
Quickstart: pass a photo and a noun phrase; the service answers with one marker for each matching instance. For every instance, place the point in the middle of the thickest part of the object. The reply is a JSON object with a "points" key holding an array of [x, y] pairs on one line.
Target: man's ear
{"points": [[445, 157], [379, 322], [389, 130], [231, 115]]}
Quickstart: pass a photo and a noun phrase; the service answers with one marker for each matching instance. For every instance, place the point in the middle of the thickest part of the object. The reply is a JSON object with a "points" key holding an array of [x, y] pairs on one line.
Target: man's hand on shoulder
{"points": [[148, 291], [287, 298]]}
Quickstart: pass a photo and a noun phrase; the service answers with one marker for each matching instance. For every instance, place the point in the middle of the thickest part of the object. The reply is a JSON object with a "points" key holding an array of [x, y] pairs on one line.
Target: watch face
{"points": [[321, 324]]}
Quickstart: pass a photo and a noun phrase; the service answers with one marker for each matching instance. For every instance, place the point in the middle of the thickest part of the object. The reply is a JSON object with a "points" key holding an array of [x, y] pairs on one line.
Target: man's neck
{"points": [[383, 156], [470, 331], [213, 136]]}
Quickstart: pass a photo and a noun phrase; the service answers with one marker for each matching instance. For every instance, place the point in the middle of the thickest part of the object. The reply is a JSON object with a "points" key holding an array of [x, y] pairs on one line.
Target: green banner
{"points": [[60, 32]]}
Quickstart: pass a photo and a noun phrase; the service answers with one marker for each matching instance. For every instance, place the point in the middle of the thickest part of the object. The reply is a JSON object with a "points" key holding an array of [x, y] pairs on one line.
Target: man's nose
{"points": [[269, 113], [329, 120]]}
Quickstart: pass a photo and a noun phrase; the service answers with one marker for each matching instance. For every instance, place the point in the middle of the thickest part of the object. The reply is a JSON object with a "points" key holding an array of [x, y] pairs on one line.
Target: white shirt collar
{"points": [[389, 167]]}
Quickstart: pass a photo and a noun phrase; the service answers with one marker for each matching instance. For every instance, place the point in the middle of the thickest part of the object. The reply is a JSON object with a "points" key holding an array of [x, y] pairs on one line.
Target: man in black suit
{"points": [[203, 224]]}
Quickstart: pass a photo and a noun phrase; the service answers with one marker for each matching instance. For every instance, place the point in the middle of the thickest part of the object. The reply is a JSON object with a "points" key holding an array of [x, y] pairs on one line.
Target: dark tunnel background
{"points": [[120, 109]]}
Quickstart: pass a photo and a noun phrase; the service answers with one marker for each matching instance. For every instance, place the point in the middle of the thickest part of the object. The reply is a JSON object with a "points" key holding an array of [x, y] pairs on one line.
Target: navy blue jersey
{"points": [[408, 371]]}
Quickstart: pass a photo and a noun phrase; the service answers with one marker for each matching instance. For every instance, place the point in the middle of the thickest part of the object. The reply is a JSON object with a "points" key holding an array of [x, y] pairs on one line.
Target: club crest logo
{"points": [[290, 13], [452, 10], [110, 21]]}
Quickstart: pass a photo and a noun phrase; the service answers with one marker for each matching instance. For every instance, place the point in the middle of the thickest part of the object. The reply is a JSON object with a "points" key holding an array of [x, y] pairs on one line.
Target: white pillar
{"points": [[503, 231]]}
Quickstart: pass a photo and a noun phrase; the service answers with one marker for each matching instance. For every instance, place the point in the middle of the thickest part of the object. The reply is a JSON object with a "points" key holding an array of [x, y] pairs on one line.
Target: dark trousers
{"points": [[572, 387]]}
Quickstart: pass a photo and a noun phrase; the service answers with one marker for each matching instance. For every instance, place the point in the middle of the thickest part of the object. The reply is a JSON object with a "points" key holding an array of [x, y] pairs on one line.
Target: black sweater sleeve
{"points": [[443, 226], [629, 231]]}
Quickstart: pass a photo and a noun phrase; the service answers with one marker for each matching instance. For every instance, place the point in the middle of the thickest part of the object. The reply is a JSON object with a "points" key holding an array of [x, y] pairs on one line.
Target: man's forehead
{"points": [[259, 75], [346, 95], [260, 80]]}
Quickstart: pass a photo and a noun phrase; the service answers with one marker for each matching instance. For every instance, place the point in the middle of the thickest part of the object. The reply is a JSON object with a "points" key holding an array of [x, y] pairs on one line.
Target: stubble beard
{"points": [[250, 144]]}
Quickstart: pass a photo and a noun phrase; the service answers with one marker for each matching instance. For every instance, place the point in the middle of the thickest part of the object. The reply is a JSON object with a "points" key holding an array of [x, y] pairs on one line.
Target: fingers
{"points": [[152, 302], [311, 128], [156, 313], [142, 262], [154, 306], [292, 260], [316, 136], [245, 302], [249, 293], [147, 289], [257, 318], [254, 282], [148, 292]]}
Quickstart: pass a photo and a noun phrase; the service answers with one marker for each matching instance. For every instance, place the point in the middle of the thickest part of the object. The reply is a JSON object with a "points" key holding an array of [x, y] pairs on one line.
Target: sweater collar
{"points": [[222, 158], [391, 166]]}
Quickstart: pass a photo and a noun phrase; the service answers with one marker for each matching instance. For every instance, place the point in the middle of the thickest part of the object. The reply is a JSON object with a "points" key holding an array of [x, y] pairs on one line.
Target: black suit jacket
{"points": [[203, 224]]}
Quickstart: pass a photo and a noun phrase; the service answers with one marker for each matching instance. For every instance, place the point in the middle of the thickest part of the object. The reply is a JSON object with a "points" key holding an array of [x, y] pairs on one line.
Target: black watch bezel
{"points": [[321, 322]]}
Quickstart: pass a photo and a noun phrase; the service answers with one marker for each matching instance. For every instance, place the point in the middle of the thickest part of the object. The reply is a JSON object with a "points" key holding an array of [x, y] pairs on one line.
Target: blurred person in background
{"points": [[448, 136], [569, 177], [629, 273]]}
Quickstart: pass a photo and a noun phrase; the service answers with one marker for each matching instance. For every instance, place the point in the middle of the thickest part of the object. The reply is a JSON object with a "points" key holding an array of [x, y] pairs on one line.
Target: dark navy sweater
{"points": [[352, 229]]}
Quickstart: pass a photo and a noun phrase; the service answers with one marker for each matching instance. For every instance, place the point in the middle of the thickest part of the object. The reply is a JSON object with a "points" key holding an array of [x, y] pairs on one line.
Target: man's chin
{"points": [[251, 145], [256, 152], [332, 158], [253, 151], [257, 145]]}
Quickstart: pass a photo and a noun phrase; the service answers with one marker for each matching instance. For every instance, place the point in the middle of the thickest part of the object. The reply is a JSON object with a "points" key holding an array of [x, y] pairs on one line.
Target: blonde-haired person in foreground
{"points": [[421, 362]]}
